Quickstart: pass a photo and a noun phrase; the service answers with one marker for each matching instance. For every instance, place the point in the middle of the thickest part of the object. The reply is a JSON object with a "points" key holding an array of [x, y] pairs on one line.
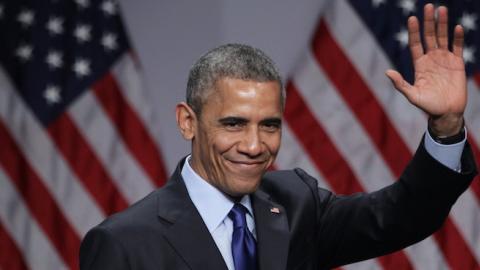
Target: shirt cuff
{"points": [[447, 154]]}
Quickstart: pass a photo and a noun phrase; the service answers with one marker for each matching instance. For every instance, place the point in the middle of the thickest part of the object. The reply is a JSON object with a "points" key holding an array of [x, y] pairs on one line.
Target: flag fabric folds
{"points": [[347, 125], [75, 146]]}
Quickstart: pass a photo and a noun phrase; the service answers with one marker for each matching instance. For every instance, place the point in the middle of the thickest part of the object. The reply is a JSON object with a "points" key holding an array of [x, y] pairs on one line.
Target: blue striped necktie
{"points": [[244, 249]]}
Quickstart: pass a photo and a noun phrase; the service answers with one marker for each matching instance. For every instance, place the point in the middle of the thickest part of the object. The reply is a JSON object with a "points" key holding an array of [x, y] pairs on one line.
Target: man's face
{"points": [[237, 136]]}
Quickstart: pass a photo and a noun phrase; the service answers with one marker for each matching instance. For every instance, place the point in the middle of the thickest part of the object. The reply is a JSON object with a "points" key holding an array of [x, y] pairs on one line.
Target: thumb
{"points": [[400, 84]]}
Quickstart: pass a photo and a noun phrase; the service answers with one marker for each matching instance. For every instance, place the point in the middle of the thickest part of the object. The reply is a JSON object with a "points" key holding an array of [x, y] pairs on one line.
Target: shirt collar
{"points": [[210, 202]]}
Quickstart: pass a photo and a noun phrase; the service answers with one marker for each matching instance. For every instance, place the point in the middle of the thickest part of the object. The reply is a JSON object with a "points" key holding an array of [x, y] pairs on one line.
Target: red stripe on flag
{"points": [[38, 199], [131, 128], [475, 186], [336, 170], [457, 253], [318, 145], [357, 95], [370, 113], [10, 258], [476, 77], [86, 164]]}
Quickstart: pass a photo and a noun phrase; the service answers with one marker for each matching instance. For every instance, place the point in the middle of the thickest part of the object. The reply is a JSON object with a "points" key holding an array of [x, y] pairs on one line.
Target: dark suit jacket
{"points": [[315, 229]]}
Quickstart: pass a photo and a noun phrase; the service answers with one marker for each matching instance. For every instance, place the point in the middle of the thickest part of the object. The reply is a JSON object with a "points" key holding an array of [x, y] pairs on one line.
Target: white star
{"points": [[402, 37], [1, 11], [26, 17], [24, 52], [81, 67], [408, 6], [377, 3], [52, 94], [82, 3], [82, 33], [109, 7], [55, 25], [469, 54], [468, 21], [109, 41], [54, 59]]}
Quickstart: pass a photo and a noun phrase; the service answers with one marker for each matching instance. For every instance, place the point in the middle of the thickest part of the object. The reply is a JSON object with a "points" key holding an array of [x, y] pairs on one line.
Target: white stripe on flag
{"points": [[341, 125], [364, 265], [36, 249], [466, 214], [358, 43], [98, 130], [426, 255], [472, 113], [129, 78], [292, 155], [74, 201]]}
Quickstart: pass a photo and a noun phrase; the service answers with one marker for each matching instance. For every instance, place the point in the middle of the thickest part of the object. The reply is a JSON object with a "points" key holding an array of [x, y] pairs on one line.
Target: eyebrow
{"points": [[272, 121], [241, 120], [233, 119]]}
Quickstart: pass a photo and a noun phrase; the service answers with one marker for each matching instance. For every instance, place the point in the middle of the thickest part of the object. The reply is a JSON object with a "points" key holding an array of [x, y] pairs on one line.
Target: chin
{"points": [[244, 188]]}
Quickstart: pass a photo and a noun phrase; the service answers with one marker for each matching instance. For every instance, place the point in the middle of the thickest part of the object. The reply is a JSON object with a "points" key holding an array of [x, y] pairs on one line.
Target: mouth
{"points": [[247, 165]]}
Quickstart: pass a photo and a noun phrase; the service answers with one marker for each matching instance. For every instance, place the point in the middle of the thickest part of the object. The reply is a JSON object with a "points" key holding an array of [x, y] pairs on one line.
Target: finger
{"points": [[429, 27], [458, 41], [400, 84], [442, 28], [414, 41]]}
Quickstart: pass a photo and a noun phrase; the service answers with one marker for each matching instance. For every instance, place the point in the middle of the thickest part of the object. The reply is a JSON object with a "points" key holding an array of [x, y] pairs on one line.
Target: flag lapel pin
{"points": [[275, 210]]}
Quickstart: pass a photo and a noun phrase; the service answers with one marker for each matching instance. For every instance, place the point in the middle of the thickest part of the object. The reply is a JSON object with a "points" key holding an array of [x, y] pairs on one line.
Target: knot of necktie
{"points": [[238, 216]]}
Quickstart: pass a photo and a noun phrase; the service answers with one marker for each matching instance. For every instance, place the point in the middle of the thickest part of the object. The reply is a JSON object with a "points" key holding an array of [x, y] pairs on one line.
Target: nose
{"points": [[251, 143]]}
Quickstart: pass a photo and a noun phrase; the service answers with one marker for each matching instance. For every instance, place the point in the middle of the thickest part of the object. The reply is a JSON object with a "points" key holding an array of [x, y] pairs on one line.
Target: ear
{"points": [[186, 120]]}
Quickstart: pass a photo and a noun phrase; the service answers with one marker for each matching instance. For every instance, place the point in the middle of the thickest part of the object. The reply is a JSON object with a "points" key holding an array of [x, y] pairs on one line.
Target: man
{"points": [[221, 210]]}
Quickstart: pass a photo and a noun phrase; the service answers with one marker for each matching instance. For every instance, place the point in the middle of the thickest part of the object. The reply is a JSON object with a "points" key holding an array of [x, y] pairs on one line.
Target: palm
{"points": [[440, 83]]}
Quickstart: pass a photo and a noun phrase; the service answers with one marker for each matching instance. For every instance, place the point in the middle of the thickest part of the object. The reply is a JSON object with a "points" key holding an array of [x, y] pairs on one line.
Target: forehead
{"points": [[236, 96]]}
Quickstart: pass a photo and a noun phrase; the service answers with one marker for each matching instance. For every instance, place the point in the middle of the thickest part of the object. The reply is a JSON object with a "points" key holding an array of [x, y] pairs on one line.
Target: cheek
{"points": [[217, 145], [273, 142], [223, 142]]}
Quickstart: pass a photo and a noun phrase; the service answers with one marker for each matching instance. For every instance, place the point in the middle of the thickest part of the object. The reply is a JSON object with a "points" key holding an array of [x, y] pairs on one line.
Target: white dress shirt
{"points": [[214, 206]]}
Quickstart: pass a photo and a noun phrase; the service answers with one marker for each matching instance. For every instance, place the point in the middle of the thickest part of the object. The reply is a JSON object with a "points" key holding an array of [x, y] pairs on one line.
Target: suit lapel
{"points": [[272, 232], [184, 228]]}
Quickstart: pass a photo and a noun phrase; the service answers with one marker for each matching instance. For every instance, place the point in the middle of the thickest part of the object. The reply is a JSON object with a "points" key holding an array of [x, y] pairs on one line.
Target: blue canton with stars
{"points": [[54, 50], [387, 19]]}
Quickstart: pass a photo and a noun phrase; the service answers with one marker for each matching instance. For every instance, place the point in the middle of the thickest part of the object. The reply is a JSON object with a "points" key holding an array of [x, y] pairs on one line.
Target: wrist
{"points": [[446, 125], [450, 132]]}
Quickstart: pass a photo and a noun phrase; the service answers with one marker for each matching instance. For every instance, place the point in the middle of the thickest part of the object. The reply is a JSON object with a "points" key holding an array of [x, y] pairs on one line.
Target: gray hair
{"points": [[235, 61]]}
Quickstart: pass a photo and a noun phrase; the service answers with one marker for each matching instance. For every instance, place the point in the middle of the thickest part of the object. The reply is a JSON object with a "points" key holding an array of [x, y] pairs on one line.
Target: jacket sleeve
{"points": [[366, 225], [101, 251]]}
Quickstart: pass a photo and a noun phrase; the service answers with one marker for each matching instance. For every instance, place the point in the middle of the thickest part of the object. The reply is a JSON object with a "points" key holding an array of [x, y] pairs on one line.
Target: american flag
{"points": [[348, 126], [75, 146]]}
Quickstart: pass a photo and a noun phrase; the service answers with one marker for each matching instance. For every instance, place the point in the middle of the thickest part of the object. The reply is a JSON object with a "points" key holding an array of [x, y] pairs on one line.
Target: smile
{"points": [[247, 164]]}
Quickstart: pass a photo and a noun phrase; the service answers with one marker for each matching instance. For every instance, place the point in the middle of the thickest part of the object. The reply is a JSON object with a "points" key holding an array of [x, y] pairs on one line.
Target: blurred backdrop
{"points": [[170, 36], [88, 90]]}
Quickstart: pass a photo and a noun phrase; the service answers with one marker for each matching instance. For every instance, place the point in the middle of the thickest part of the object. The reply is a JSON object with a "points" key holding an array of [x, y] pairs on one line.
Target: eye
{"points": [[271, 126], [233, 125]]}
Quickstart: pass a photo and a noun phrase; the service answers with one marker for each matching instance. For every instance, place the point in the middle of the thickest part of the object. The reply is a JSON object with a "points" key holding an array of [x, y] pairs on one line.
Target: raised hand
{"points": [[440, 82]]}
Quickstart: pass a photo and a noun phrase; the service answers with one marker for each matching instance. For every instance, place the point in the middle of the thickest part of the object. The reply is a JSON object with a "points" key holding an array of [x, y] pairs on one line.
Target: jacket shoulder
{"points": [[296, 190], [294, 182], [139, 215]]}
